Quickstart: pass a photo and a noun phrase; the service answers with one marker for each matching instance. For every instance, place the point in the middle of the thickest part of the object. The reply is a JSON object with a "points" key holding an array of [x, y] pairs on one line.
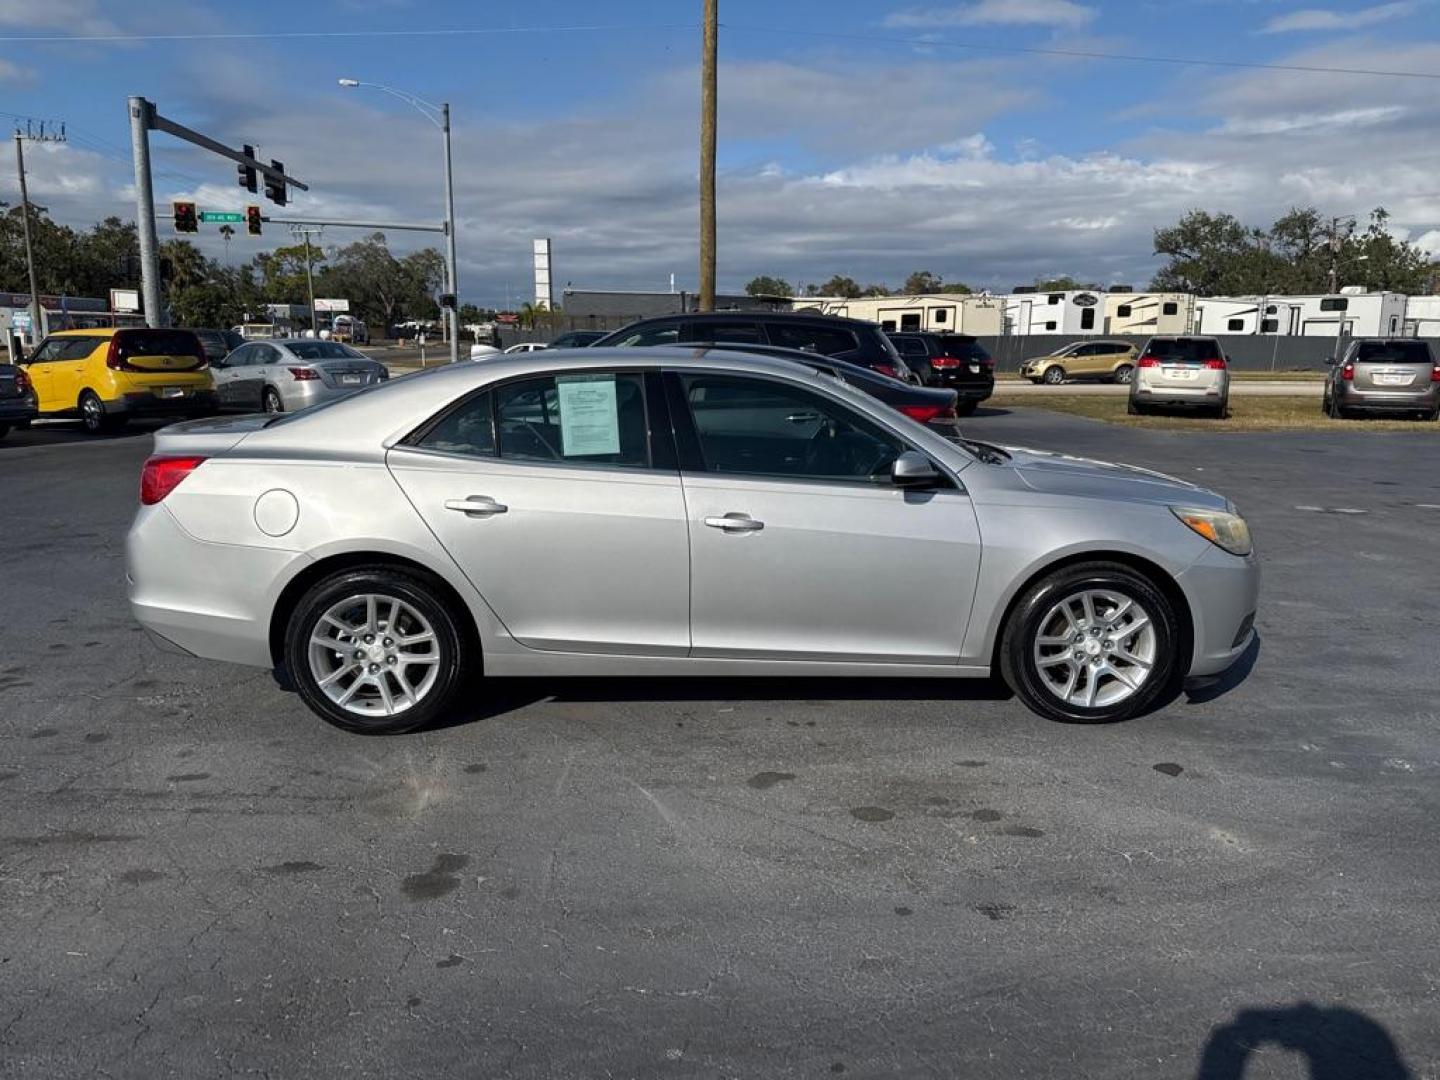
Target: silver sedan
{"points": [[680, 512], [289, 374]]}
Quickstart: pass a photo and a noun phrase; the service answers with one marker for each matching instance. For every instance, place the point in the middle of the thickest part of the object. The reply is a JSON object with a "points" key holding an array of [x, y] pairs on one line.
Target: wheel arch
{"points": [[1156, 574], [317, 571]]}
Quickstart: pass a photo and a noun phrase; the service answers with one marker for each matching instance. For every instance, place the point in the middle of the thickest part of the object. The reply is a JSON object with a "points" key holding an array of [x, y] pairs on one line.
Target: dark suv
{"points": [[955, 361], [855, 340]]}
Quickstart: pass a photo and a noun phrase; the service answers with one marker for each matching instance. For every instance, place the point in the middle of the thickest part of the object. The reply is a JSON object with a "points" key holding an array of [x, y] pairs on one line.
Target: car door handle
{"points": [[735, 523], [477, 506]]}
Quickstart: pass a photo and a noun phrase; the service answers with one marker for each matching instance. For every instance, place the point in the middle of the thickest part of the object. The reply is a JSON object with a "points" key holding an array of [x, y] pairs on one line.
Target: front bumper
{"points": [[1223, 591]]}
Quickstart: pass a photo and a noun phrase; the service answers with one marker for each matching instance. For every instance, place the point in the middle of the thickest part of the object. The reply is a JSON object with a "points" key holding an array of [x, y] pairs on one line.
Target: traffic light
{"points": [[275, 189], [186, 220], [252, 220], [447, 300], [247, 172]]}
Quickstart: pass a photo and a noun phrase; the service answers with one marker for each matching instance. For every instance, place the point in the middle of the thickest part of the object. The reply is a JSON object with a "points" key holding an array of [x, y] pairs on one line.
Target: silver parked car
{"points": [[290, 374], [1383, 375], [671, 512], [1181, 372]]}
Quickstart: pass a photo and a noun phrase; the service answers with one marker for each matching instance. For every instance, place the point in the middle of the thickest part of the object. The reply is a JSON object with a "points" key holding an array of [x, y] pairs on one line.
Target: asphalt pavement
{"points": [[710, 878]]}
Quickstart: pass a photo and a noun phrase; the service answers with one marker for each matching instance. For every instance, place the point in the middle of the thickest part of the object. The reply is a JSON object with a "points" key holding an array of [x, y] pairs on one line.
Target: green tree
{"points": [[282, 273], [920, 283], [840, 285], [768, 286]]}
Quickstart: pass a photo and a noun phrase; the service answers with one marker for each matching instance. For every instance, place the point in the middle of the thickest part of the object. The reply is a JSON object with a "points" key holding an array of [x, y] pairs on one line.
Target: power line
{"points": [[1082, 54], [282, 35]]}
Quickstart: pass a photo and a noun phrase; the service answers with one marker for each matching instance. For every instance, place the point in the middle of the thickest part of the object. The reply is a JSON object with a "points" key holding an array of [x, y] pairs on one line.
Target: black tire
{"points": [[93, 415], [270, 401], [413, 589], [1054, 375], [1222, 411], [1123, 374], [1337, 411], [1017, 643], [965, 408], [4, 430], [1134, 409]]}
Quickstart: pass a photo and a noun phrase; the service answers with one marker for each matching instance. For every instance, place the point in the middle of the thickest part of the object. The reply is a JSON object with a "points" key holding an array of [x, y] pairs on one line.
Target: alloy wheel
{"points": [[374, 655], [1095, 648]]}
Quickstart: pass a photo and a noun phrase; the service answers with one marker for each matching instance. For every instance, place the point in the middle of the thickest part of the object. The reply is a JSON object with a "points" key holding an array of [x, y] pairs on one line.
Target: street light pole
{"points": [[36, 329], [439, 115]]}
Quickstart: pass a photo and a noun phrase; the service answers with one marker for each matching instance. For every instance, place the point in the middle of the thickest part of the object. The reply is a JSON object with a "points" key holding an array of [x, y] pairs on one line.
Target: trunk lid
{"points": [[209, 436], [347, 373]]}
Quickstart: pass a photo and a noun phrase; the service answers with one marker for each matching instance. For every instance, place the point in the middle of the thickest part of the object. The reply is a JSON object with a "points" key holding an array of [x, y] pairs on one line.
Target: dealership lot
{"points": [[726, 878]]}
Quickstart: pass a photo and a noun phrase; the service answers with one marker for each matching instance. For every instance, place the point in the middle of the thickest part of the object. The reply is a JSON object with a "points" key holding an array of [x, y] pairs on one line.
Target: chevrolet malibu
{"points": [[670, 512]]}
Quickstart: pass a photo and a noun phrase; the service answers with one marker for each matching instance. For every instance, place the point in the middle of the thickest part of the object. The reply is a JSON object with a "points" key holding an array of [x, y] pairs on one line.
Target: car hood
{"points": [[1063, 474]]}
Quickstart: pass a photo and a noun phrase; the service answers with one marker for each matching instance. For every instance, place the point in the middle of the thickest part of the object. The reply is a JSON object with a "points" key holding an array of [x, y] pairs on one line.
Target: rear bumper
{"points": [[1177, 395], [13, 410], [965, 389], [138, 404], [1409, 400], [1223, 591]]}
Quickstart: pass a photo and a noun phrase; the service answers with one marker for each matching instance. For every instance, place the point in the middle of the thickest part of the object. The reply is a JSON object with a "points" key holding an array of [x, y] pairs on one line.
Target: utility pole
{"points": [[37, 327], [452, 314], [303, 232], [1336, 242], [707, 155], [141, 112]]}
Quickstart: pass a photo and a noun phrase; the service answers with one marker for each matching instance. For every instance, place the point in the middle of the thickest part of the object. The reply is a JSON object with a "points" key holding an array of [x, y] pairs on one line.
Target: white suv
{"points": [[1181, 372]]}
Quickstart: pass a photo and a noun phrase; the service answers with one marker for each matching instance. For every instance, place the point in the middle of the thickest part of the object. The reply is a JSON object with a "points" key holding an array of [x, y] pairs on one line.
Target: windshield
{"points": [[1392, 352], [324, 350]]}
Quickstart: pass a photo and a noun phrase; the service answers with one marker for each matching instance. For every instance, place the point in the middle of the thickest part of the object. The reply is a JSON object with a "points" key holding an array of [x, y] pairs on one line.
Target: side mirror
{"points": [[913, 470]]}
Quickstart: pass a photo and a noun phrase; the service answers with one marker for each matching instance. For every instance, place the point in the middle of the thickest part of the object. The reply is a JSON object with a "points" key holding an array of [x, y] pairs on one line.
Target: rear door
{"points": [[1186, 364], [550, 495], [801, 548], [1392, 366]]}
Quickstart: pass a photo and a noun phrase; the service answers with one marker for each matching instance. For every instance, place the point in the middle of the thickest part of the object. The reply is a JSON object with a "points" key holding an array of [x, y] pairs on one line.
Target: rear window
{"points": [[961, 349], [1192, 349], [323, 350], [158, 343], [1393, 352]]}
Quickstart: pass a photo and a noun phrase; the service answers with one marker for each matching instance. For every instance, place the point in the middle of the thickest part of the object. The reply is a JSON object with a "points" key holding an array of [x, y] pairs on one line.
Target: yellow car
{"points": [[1110, 361], [106, 376]]}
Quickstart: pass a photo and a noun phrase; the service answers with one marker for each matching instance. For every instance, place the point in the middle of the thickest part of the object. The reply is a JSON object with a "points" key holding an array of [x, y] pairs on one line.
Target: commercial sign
{"points": [[126, 300], [322, 304]]}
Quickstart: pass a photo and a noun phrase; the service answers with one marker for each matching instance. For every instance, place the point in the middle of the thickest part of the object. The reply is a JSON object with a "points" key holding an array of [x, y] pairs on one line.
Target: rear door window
{"points": [[588, 418]]}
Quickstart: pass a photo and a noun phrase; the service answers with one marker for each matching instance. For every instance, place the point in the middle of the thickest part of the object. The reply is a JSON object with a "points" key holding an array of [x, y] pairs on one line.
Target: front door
{"points": [[40, 367], [800, 546], [228, 374], [548, 495]]}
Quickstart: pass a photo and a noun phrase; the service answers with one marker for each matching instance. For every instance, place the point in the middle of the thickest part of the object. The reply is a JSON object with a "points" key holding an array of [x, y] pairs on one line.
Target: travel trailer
{"points": [[1422, 317], [1149, 313], [1069, 313], [956, 313], [1352, 312]]}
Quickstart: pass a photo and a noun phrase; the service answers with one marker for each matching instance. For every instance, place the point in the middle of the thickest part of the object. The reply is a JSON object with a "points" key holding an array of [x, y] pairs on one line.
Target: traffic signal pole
{"points": [[141, 112], [452, 315]]}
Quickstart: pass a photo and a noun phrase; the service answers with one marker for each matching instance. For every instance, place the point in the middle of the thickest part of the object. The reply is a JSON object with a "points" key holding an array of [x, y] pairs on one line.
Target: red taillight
{"points": [[1348, 372], [161, 475], [1435, 373], [114, 358], [1148, 361], [1215, 365], [926, 413], [944, 361], [303, 373], [22, 380]]}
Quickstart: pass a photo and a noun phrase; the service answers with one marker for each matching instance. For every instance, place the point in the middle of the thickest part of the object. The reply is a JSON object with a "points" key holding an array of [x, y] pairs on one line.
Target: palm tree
{"points": [[227, 232]]}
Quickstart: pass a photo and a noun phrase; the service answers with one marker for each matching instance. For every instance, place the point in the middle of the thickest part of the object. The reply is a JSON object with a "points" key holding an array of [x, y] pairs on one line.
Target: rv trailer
{"points": [[1149, 313]]}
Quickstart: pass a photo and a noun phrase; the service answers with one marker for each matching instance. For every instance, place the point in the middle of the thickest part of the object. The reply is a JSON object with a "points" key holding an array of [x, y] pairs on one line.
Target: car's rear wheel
{"points": [[1123, 374], [1054, 375], [271, 402], [1133, 409], [965, 408], [1091, 643], [1337, 411], [376, 650], [93, 415]]}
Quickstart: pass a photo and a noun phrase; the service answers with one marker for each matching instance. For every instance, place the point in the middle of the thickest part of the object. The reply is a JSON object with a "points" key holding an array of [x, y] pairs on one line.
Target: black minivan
{"points": [[955, 361], [855, 340]]}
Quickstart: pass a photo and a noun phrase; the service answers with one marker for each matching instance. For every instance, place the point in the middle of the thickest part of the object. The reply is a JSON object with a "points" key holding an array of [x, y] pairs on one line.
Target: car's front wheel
{"points": [[1123, 374], [1091, 643], [376, 650], [1054, 375]]}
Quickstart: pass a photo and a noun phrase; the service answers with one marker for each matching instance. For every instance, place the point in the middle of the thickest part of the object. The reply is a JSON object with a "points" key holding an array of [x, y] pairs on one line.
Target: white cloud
{"points": [[1058, 14], [71, 16], [1312, 19], [14, 73]]}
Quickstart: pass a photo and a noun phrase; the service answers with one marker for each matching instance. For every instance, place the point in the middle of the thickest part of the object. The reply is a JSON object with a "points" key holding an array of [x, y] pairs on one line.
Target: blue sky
{"points": [[868, 139]]}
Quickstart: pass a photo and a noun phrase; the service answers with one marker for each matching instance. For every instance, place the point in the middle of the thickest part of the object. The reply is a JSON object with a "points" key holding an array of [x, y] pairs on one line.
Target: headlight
{"points": [[1222, 529]]}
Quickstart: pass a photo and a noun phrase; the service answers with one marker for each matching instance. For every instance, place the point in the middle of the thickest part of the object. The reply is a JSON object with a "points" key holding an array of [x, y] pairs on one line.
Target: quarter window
{"points": [[588, 418], [758, 428], [820, 339]]}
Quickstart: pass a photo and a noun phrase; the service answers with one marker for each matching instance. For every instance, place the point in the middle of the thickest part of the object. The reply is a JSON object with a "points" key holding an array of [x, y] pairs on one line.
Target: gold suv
{"points": [[1108, 361]]}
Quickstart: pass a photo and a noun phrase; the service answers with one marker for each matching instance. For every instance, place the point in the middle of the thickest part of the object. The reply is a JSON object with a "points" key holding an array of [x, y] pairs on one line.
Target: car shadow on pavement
{"points": [[1203, 692], [63, 432], [1337, 1043], [503, 695]]}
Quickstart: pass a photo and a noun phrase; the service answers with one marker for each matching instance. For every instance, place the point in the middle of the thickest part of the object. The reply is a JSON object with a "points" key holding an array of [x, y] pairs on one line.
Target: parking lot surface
{"points": [[736, 878]]}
